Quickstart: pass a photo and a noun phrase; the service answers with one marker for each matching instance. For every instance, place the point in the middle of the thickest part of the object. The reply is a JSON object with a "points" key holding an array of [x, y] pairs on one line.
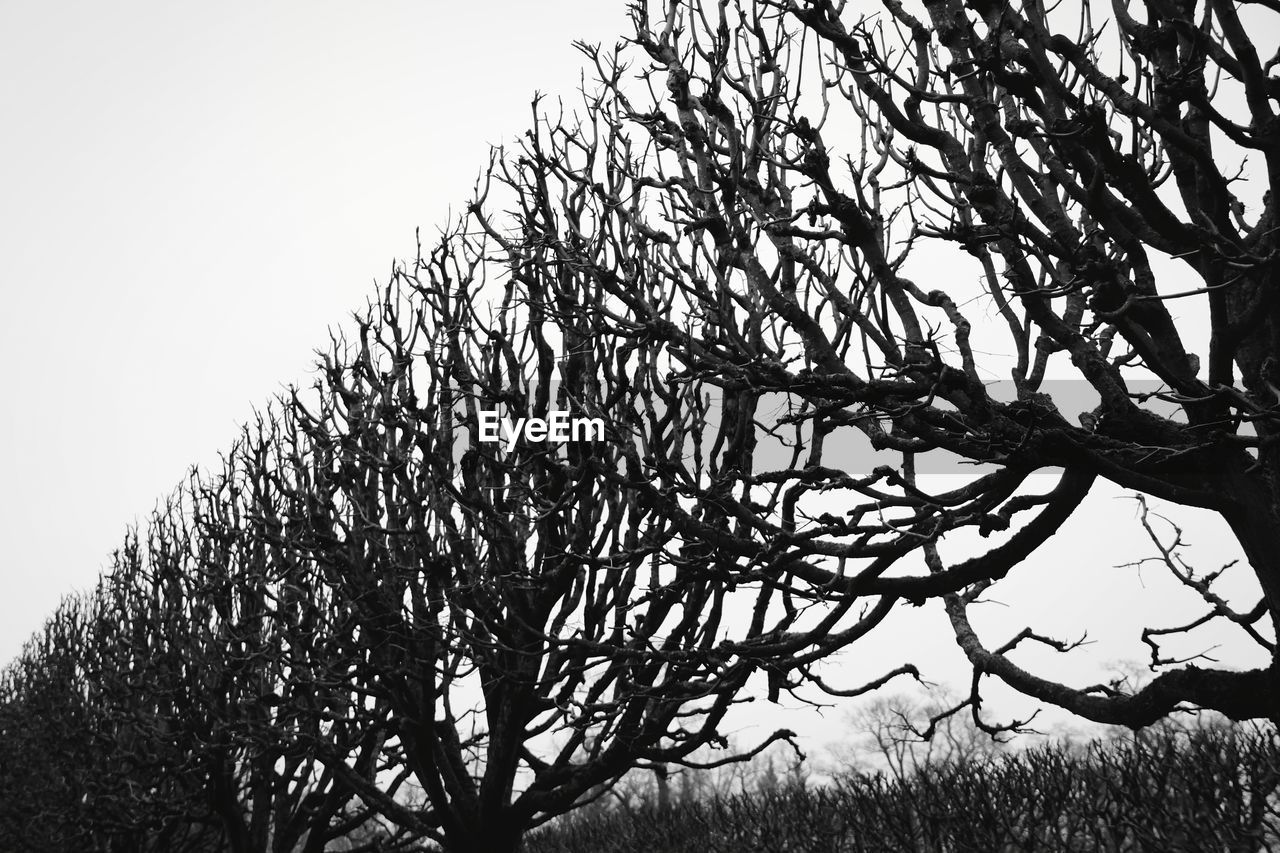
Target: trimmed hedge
{"points": [[1215, 789]]}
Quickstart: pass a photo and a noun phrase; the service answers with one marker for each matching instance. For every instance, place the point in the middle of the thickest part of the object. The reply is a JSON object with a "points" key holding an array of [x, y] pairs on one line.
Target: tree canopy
{"points": [[873, 216], [775, 240]]}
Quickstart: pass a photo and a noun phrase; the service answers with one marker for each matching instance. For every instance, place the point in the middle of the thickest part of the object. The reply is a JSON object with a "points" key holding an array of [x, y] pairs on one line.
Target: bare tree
{"points": [[888, 736], [534, 620], [378, 598], [50, 765], [88, 755], [758, 187], [241, 654], [175, 707]]}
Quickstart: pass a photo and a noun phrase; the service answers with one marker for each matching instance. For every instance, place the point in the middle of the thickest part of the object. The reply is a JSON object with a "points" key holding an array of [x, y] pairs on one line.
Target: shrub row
{"points": [[1215, 789]]}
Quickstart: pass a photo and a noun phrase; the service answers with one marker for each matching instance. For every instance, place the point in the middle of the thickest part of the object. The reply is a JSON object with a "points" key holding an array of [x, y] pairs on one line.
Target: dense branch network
{"points": [[776, 241], [759, 188]]}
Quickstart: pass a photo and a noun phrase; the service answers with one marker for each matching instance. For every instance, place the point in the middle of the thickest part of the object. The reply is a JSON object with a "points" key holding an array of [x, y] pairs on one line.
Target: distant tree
{"points": [[48, 758], [851, 220], [87, 762], [180, 705], [227, 668], [907, 735]]}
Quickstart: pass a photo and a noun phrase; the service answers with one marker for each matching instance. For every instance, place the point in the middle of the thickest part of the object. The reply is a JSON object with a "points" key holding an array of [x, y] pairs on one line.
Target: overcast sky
{"points": [[192, 194]]}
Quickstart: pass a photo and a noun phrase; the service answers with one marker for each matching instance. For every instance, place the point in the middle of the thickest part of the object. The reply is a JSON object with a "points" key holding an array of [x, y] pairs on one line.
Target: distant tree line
{"points": [[1172, 791]]}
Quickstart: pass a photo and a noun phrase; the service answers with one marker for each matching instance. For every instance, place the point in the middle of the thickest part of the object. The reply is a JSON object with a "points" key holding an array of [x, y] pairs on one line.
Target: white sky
{"points": [[192, 194]]}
